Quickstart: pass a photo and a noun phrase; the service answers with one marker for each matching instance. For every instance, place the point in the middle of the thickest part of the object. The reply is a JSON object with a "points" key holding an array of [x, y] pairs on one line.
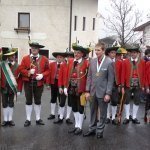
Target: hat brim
{"points": [[109, 49], [55, 54], [36, 45], [9, 54], [69, 54], [81, 49], [133, 50]]}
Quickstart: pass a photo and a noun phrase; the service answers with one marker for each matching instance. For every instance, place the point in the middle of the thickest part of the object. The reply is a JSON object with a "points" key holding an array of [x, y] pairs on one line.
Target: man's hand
{"points": [[123, 91], [32, 71], [66, 91], [60, 91], [107, 98], [147, 91], [39, 76], [87, 95]]}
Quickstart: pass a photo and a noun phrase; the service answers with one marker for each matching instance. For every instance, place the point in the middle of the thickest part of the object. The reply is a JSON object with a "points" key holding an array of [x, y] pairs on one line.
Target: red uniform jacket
{"points": [[62, 74], [16, 72], [81, 74], [43, 68], [127, 69], [147, 74], [53, 72], [118, 70]]}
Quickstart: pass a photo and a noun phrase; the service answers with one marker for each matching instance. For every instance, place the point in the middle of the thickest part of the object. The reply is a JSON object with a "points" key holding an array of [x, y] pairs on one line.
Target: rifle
{"points": [[0, 86], [119, 115]]}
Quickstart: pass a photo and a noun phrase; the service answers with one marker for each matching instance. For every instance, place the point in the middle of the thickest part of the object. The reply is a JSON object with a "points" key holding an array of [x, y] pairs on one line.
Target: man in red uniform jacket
{"points": [[10, 84], [34, 69], [75, 83], [52, 81], [62, 75], [132, 81], [147, 86]]}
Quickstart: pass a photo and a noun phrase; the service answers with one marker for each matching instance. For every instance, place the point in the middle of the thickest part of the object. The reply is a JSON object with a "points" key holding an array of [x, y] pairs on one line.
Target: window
{"points": [[84, 23], [24, 20], [75, 23], [93, 23]]}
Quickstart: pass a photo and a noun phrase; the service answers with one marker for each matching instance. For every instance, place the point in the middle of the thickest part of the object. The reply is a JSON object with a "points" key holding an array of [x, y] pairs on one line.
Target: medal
{"points": [[97, 74]]}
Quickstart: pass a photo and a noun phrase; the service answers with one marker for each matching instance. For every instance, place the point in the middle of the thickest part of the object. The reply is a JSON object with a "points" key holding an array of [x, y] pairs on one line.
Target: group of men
{"points": [[106, 81]]}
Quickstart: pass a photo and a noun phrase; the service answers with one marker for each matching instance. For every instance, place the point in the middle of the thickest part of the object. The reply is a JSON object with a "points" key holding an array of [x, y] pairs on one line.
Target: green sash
{"points": [[9, 76]]}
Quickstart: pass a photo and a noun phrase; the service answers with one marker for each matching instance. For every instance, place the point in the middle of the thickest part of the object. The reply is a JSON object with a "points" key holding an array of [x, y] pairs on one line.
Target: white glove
{"points": [[39, 76], [60, 90], [18, 93], [65, 91], [32, 71]]}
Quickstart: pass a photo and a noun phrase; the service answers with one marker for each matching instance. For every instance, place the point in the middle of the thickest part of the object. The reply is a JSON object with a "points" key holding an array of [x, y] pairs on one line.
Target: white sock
{"points": [[108, 111], [135, 109], [81, 117], [114, 111], [5, 113], [76, 119], [61, 110], [10, 113], [69, 109], [37, 109], [53, 105], [127, 110], [28, 112]]}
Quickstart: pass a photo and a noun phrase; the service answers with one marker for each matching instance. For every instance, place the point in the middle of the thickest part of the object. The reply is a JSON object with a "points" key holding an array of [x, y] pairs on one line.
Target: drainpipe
{"points": [[70, 30]]}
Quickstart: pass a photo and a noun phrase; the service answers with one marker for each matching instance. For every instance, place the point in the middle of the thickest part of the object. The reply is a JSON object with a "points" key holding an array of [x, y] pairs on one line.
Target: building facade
{"points": [[53, 23]]}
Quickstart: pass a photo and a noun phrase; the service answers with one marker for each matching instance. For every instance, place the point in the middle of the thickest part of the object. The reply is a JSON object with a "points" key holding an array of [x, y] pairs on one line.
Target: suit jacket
{"points": [[127, 68], [43, 68], [102, 84]]}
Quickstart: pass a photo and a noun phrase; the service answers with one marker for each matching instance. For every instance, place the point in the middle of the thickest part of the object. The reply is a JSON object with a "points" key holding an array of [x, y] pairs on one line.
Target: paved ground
{"points": [[56, 137]]}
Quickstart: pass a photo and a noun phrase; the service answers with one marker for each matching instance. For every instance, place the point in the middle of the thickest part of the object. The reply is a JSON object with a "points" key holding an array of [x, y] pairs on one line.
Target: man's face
{"points": [[99, 51], [11, 58], [78, 55], [34, 50], [112, 54], [134, 54], [59, 58]]}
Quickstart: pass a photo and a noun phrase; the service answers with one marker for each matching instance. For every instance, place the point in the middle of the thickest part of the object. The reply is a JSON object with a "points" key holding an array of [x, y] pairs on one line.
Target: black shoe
{"points": [[114, 122], [11, 123], [51, 117], [78, 131], [68, 121], [126, 121], [89, 133], [72, 130], [39, 122], [27, 123], [4, 123], [130, 118], [59, 121], [135, 121], [99, 135], [107, 121]]}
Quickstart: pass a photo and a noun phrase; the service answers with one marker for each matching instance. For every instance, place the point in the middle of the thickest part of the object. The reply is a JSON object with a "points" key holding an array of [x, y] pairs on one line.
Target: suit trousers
{"points": [[94, 104]]}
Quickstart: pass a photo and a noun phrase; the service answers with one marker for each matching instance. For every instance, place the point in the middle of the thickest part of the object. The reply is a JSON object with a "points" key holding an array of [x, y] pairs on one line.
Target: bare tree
{"points": [[122, 19]]}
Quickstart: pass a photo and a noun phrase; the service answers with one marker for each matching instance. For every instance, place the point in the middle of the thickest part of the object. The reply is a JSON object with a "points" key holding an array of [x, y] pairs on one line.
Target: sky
{"points": [[142, 5]]}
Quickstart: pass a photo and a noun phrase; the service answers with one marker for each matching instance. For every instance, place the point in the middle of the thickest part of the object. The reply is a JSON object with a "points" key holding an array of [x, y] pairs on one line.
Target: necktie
{"points": [[58, 65], [75, 64], [134, 62]]}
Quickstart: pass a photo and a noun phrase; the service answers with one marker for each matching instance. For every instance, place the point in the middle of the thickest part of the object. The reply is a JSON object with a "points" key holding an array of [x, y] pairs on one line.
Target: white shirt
{"points": [[136, 59], [79, 60]]}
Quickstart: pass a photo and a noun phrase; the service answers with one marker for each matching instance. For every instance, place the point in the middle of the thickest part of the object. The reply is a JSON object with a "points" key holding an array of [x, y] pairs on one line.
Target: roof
{"points": [[141, 27]]}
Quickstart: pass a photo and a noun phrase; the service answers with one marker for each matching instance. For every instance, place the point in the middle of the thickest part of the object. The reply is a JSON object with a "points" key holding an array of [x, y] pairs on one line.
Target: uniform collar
{"points": [[136, 59], [35, 56], [79, 60]]}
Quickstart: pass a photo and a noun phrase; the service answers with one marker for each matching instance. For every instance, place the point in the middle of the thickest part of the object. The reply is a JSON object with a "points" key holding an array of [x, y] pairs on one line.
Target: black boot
{"points": [[39, 122], [4, 123], [135, 121], [107, 121], [114, 122], [11, 123], [51, 117], [89, 133], [27, 123], [78, 131], [72, 130], [59, 121], [126, 121], [68, 121]]}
